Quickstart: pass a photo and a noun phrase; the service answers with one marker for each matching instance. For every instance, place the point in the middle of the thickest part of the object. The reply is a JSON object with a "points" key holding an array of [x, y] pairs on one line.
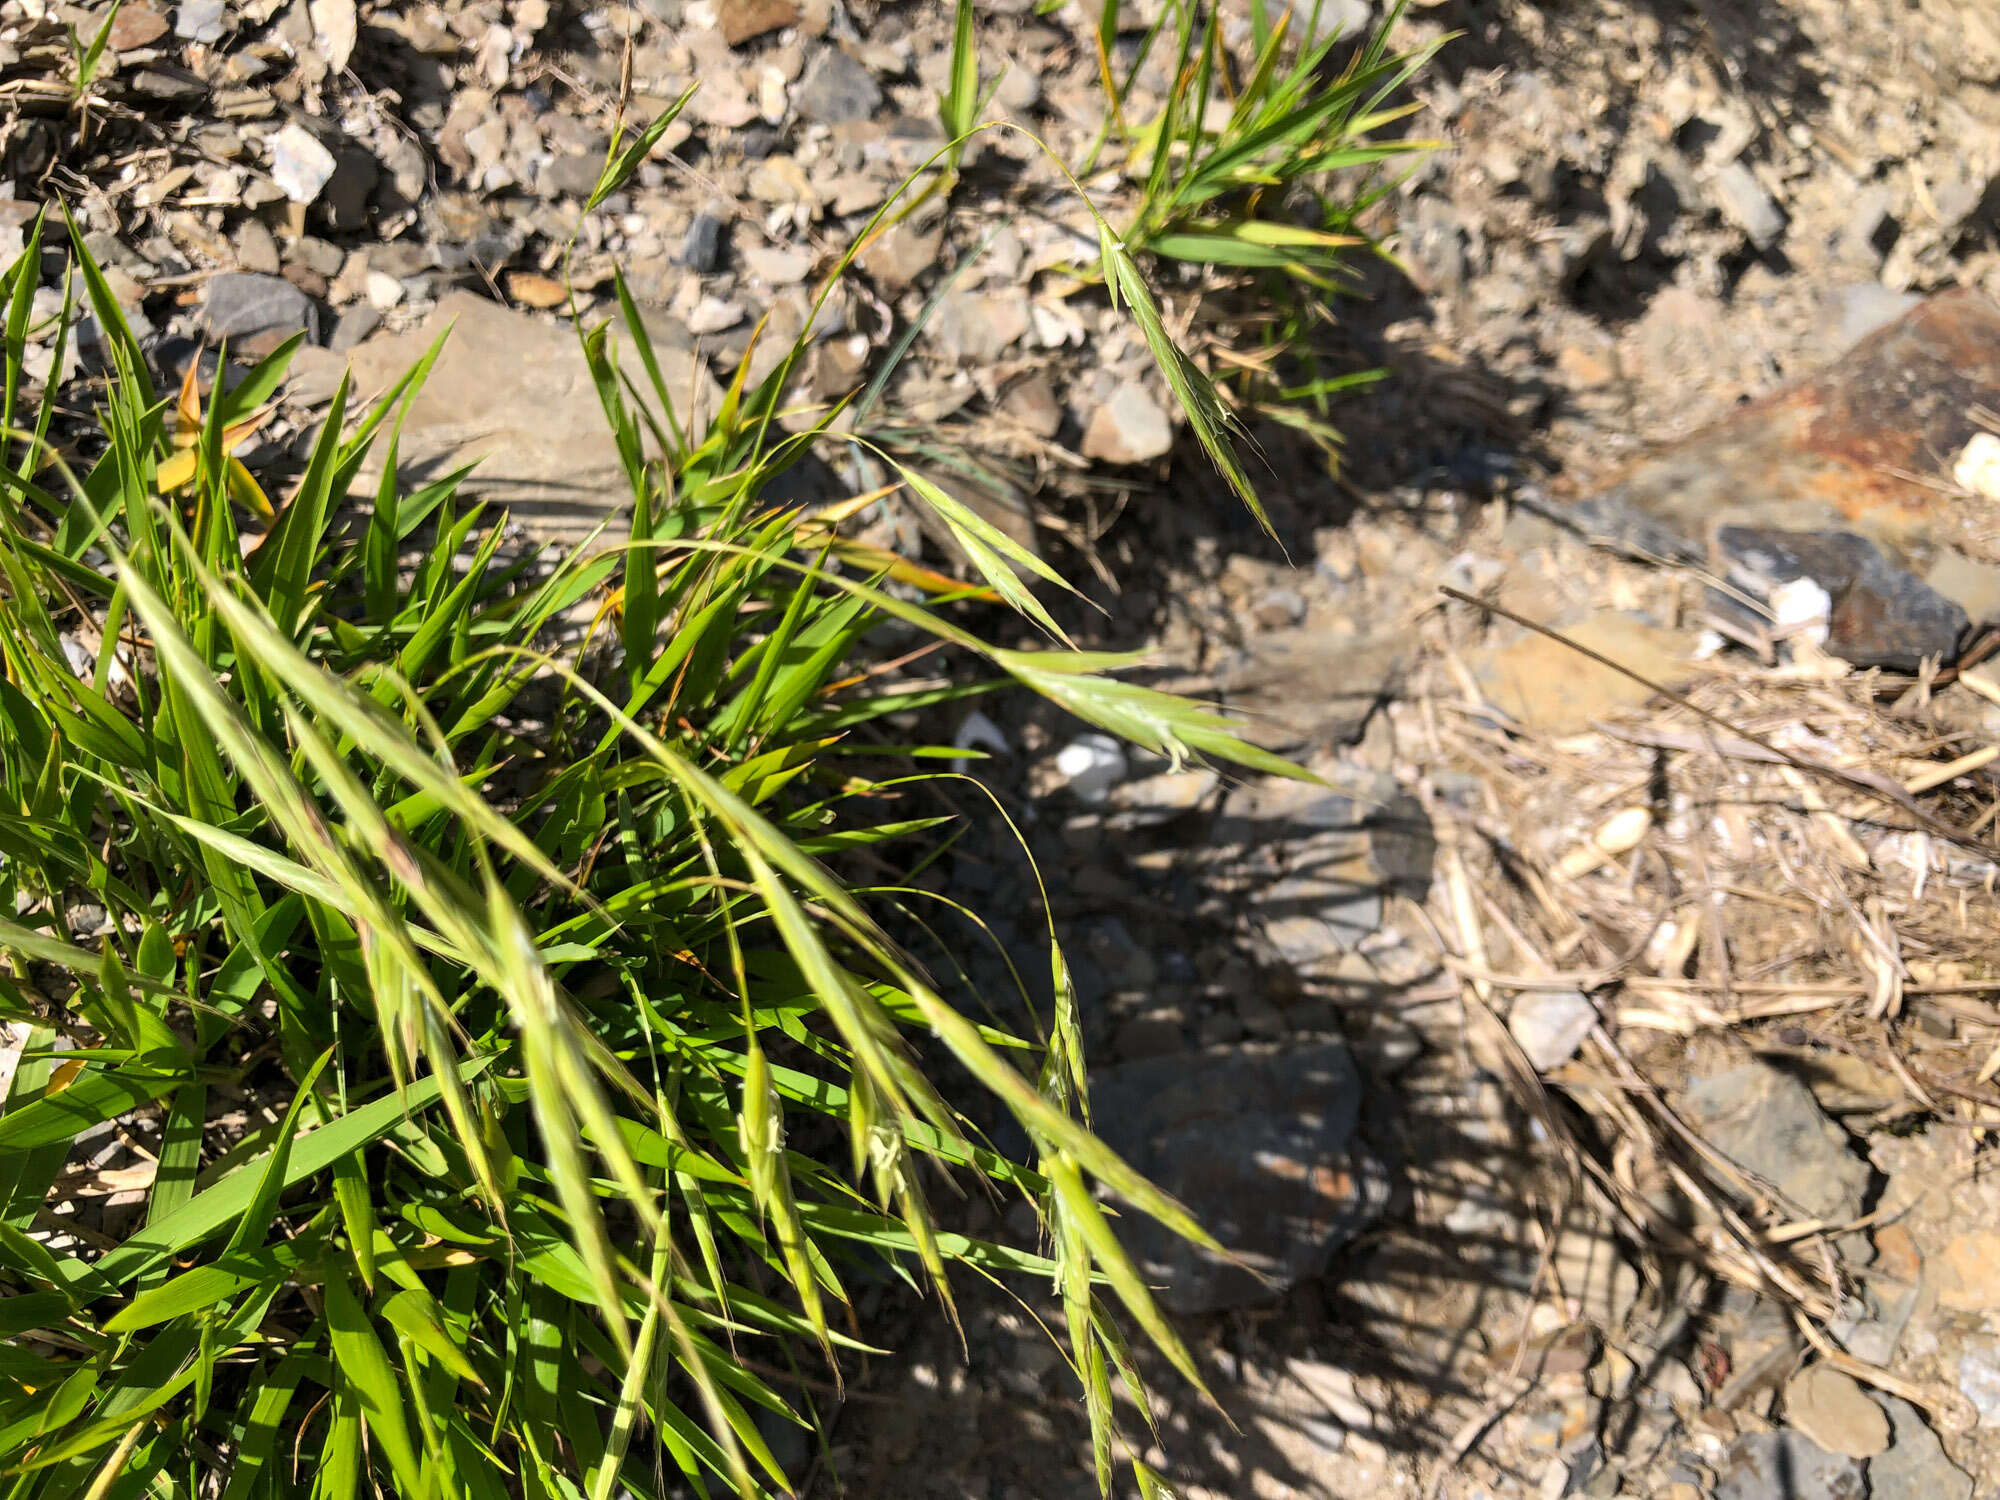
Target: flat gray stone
{"points": [[243, 304], [1768, 1121], [837, 90], [1787, 1465], [975, 328], [1915, 1463], [701, 246], [1261, 1148], [512, 392]]}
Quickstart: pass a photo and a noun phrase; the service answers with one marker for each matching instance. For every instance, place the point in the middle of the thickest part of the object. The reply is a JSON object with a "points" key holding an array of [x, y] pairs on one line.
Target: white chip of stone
{"points": [[300, 165], [1091, 765], [1801, 608], [1978, 466]]}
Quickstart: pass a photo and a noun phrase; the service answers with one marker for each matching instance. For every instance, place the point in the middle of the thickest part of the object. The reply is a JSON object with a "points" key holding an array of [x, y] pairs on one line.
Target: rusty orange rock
{"points": [[1860, 444], [1842, 477]]}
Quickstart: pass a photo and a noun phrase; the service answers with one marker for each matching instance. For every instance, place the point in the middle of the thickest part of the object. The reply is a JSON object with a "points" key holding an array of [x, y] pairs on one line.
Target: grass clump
{"points": [[1255, 179], [1240, 170], [513, 1066]]}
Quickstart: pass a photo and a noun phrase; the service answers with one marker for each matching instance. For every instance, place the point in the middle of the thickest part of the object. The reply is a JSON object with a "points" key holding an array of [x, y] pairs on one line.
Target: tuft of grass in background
{"points": [[515, 1070], [1241, 171], [1263, 167]]}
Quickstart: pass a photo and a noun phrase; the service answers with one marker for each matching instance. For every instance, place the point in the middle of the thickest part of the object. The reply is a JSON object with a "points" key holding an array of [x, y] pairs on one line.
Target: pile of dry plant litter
{"points": [[1786, 859]]}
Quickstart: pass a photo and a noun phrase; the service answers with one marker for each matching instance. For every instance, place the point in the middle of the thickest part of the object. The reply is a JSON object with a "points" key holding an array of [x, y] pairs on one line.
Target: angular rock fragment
{"points": [[1261, 1147], [1764, 1119], [241, 304], [538, 436], [1787, 1466], [1837, 477], [1130, 428], [837, 90], [1915, 1463], [1881, 615]]}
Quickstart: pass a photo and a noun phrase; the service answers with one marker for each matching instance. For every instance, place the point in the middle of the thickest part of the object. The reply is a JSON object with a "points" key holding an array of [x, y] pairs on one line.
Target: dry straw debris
{"points": [[1792, 861]]}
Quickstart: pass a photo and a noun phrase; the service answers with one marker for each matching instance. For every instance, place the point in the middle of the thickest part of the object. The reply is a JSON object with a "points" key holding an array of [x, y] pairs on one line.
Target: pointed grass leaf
{"points": [[623, 159], [204, 1286], [94, 1097], [415, 1314], [378, 1395]]}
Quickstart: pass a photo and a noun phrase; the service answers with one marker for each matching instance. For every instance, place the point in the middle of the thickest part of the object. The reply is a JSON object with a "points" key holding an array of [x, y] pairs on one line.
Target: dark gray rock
{"points": [[837, 90], [241, 304], [344, 199], [1915, 1462], [1882, 614], [355, 325], [756, 141], [1261, 1147], [701, 246], [1787, 1466], [1766, 1120]]}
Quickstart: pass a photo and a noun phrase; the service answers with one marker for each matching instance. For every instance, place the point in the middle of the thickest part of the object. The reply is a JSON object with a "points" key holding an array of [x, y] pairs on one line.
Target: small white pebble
{"points": [[1091, 765], [1978, 466], [1801, 608]]}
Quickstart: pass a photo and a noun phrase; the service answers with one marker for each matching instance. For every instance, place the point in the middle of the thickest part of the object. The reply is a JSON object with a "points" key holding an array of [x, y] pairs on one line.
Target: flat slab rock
{"points": [[1315, 866], [1306, 687], [1836, 478], [1261, 1147], [513, 393], [1765, 1119], [1915, 1464], [1787, 1465]]}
